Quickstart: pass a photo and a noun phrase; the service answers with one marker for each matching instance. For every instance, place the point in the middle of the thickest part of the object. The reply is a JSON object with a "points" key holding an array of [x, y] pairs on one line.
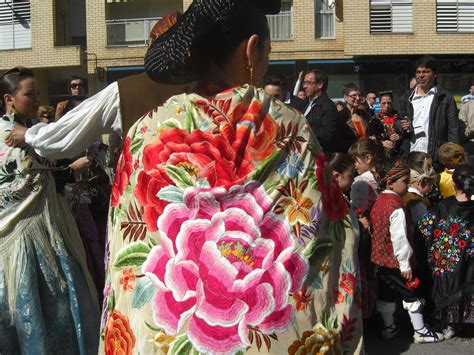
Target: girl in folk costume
{"points": [[450, 246], [367, 156], [422, 180], [391, 252], [48, 302]]}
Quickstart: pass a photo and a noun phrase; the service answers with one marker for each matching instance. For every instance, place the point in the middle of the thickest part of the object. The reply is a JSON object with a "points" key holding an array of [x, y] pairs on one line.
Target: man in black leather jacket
{"points": [[428, 114]]}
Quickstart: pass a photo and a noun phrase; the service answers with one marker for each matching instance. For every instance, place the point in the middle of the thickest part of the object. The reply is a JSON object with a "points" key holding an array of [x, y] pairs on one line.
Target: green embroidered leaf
{"points": [[136, 145], [129, 189], [152, 242], [270, 186], [171, 194], [182, 346], [172, 123], [134, 254], [111, 301], [180, 177], [189, 124], [119, 213], [144, 291], [269, 165], [151, 327]]}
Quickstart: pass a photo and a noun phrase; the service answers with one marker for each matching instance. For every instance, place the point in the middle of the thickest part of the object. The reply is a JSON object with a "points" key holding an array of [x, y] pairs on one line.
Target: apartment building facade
{"points": [[373, 42]]}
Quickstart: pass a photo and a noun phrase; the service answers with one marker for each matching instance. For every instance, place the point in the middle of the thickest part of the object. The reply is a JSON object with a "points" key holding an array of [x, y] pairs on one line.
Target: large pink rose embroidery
{"points": [[225, 262]]}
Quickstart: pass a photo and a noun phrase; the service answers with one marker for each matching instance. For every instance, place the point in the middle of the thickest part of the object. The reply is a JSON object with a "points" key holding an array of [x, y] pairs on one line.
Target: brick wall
{"points": [[423, 40], [42, 53]]}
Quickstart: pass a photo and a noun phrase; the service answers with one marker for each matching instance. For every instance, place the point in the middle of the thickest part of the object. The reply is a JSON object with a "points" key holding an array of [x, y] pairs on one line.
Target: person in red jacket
{"points": [[391, 253]]}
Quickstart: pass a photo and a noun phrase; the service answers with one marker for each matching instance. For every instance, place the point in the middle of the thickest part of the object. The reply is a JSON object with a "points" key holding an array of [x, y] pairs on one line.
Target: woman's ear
{"points": [[251, 50], [335, 175], [369, 159], [8, 99]]}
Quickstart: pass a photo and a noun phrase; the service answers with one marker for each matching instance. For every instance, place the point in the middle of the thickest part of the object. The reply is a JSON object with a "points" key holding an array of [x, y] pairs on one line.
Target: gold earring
{"points": [[250, 68]]}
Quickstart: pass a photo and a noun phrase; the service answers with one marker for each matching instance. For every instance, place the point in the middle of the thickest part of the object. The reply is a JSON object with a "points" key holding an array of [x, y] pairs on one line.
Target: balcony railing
{"points": [[281, 25], [129, 32]]}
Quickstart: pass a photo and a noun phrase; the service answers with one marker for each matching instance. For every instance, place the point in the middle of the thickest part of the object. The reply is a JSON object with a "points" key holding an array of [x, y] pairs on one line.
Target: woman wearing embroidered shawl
{"points": [[48, 302], [224, 238]]}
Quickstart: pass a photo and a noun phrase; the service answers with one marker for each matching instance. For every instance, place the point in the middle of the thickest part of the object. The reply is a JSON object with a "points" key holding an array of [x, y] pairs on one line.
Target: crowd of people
{"points": [[243, 216]]}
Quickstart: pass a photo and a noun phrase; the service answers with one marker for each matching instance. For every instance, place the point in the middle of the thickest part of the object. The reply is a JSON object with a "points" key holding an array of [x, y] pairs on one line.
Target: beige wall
{"points": [[42, 53], [424, 40]]}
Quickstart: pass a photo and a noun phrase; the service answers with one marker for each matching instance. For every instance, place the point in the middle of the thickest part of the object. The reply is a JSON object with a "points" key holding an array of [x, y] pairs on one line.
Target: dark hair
{"points": [[276, 80], [367, 146], [339, 162], [244, 21], [11, 79], [463, 178], [427, 61], [319, 76], [416, 158], [74, 77], [346, 89]]}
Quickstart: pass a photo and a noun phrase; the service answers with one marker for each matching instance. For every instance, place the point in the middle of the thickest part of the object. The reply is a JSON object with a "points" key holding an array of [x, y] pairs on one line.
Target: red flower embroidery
{"points": [[119, 338], [334, 204], [453, 229], [302, 298], [462, 244], [437, 232], [201, 154], [127, 280], [338, 296], [347, 283], [122, 174]]}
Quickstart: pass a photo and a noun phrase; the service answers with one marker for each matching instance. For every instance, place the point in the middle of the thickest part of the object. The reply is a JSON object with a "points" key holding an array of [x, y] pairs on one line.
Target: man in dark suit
{"points": [[321, 112], [277, 86]]}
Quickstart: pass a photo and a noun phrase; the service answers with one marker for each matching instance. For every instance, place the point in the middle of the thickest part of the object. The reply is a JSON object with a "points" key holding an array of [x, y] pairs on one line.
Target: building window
{"points": [[281, 24], [15, 19], [391, 16], [455, 16], [325, 19]]}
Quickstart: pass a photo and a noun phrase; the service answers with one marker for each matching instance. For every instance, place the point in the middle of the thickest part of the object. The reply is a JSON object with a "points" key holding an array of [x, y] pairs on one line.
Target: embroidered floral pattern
{"points": [[225, 262], [119, 338], [450, 240]]}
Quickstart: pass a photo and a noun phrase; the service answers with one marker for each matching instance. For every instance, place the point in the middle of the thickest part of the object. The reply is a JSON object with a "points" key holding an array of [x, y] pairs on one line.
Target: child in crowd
{"points": [[367, 156], [450, 241], [450, 155], [391, 253], [422, 180]]}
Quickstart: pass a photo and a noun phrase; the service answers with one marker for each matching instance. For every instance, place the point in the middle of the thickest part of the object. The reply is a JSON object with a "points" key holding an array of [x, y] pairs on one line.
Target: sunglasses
{"points": [[76, 86]]}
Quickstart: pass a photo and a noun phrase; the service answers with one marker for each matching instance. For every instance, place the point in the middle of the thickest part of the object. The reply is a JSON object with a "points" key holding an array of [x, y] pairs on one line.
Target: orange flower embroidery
{"points": [[119, 338], [127, 280]]}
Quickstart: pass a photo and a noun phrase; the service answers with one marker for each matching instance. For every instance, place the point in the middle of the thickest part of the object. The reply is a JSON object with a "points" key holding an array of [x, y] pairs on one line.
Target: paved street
{"points": [[404, 343]]}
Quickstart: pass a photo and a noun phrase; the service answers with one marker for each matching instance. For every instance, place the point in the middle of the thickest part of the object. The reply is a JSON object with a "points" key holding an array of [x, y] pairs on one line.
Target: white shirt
{"points": [[467, 98], [398, 235], [80, 127], [421, 119]]}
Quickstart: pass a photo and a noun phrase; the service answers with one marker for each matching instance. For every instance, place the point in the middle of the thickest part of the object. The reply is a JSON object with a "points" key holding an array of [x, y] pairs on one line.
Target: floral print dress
{"points": [[224, 238]]}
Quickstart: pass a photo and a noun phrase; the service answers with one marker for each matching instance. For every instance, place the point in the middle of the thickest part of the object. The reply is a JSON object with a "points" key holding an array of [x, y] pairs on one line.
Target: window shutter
{"points": [[446, 16], [466, 16], [402, 15], [15, 19], [380, 16]]}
